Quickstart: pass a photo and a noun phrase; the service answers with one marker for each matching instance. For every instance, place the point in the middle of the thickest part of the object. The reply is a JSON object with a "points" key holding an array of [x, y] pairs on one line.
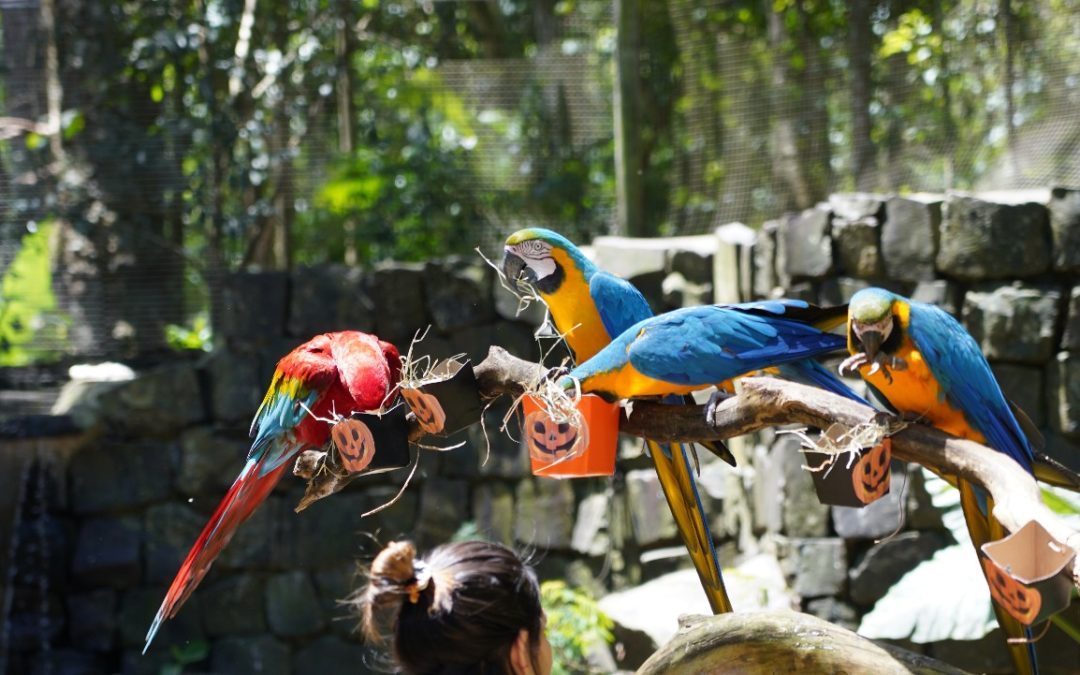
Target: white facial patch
{"points": [[537, 256], [884, 327]]}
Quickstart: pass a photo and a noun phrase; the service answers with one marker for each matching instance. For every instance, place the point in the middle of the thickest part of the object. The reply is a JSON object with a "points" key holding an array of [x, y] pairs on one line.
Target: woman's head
{"points": [[468, 607]]}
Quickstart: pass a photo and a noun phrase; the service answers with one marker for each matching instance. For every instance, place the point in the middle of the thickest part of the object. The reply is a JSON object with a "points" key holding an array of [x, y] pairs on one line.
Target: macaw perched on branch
{"points": [[697, 347], [590, 308], [334, 373], [921, 362]]}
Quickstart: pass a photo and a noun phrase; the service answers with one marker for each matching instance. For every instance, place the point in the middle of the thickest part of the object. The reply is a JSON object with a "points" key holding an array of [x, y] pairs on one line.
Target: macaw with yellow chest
{"points": [[922, 363], [589, 308], [693, 348], [330, 374]]}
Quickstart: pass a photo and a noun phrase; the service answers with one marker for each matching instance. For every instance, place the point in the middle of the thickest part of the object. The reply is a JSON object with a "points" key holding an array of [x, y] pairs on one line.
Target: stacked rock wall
{"points": [[101, 530]]}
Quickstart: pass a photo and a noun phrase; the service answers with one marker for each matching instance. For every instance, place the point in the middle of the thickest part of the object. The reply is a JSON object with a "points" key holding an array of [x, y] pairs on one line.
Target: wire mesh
{"points": [[747, 110]]}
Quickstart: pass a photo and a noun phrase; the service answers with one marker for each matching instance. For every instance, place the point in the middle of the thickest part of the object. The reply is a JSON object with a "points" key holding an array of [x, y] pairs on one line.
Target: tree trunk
{"points": [[628, 159], [779, 642], [700, 123], [860, 44], [783, 145], [1007, 21]]}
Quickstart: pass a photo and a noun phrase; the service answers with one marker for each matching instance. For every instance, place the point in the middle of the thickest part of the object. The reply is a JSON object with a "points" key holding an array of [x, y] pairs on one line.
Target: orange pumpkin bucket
{"points": [[1027, 573], [562, 450]]}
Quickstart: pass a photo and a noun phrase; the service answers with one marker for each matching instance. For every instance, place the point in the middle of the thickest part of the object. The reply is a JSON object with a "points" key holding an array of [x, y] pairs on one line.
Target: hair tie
{"points": [[421, 579]]}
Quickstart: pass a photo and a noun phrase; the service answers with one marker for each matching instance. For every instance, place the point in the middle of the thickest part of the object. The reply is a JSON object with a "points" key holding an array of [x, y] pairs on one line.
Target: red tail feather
{"points": [[245, 495]]}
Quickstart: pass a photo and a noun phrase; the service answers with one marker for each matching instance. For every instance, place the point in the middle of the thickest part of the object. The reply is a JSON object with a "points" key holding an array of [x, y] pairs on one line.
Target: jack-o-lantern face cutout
{"points": [[354, 443], [1022, 602], [549, 440], [429, 412], [871, 477]]}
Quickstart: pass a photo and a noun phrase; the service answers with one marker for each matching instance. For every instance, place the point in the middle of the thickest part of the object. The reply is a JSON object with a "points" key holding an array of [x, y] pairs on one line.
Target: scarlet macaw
{"points": [[339, 373], [921, 361]]}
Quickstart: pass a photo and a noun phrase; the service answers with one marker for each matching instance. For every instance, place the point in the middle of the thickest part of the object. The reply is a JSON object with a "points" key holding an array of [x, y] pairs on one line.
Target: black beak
{"points": [[871, 341], [515, 270]]}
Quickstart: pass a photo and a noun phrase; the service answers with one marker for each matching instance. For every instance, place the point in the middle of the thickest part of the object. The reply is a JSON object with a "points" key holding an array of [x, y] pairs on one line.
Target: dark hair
{"points": [[457, 611]]}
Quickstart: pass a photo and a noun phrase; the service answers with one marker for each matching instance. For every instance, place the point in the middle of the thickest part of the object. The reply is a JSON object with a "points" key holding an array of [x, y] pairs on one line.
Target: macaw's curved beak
{"points": [[871, 341], [515, 270]]}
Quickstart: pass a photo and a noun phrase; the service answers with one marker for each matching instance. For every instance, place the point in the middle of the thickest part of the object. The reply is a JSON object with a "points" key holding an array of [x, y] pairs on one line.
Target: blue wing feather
{"points": [[710, 344], [965, 378], [809, 371], [619, 304]]}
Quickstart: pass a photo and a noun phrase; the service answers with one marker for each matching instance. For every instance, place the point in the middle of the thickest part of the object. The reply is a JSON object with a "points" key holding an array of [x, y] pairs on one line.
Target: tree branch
{"points": [[764, 402]]}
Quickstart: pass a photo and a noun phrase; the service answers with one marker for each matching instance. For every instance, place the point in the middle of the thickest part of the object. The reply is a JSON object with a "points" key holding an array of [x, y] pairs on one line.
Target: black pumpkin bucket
{"points": [[370, 443], [854, 477], [447, 400], [1028, 573]]}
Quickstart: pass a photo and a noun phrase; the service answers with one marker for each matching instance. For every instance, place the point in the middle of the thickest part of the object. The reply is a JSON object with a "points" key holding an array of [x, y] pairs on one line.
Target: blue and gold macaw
{"points": [[590, 307], [921, 362], [697, 347]]}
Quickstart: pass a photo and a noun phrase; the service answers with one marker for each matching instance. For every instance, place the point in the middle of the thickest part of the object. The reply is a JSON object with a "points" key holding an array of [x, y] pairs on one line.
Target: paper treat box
{"points": [[851, 481], [1028, 573], [371, 442], [447, 399], [559, 449]]}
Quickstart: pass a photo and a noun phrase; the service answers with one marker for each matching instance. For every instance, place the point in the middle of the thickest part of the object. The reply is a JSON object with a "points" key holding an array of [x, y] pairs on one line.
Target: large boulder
{"points": [[292, 605], [1071, 339], [234, 605], [156, 403], [1064, 394], [254, 307], [1065, 228], [650, 517], [886, 562], [112, 475], [807, 244], [400, 309], [855, 233], [773, 642], [1013, 323], [259, 655], [820, 566], [544, 513], [493, 511], [988, 240], [909, 237], [329, 298], [107, 552], [458, 293], [444, 506]]}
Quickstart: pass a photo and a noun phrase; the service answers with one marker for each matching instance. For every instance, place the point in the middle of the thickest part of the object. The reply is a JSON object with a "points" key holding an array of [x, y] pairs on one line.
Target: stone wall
{"points": [[1007, 265], [101, 530]]}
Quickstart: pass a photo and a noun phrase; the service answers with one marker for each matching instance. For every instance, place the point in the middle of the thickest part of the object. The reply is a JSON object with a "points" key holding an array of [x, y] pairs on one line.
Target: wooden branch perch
{"points": [[763, 402]]}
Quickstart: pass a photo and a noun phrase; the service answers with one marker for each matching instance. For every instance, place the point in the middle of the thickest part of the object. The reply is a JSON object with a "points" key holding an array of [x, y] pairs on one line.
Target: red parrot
{"points": [[339, 373]]}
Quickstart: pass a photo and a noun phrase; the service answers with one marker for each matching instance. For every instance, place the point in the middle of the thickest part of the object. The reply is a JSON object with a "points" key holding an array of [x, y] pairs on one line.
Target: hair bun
{"points": [[395, 563]]}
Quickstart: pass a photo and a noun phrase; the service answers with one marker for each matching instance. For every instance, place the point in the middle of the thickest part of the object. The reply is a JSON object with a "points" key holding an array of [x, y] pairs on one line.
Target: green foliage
{"points": [[185, 655], [196, 337], [30, 326], [574, 622]]}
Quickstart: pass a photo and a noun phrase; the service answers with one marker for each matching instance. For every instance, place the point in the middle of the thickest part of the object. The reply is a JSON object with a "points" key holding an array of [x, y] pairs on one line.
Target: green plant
{"points": [[31, 328], [191, 652], [198, 337], [574, 623]]}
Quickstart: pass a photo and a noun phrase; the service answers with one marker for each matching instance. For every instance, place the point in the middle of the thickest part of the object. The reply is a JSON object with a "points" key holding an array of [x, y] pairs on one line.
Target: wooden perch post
{"points": [[764, 402]]}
